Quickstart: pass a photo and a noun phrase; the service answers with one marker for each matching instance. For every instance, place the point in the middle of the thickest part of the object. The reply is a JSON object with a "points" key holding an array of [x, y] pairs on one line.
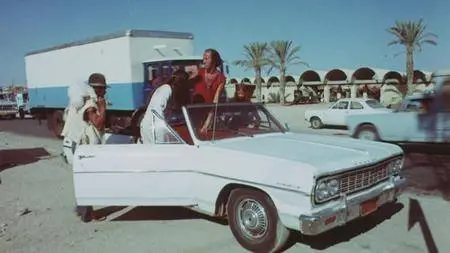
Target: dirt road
{"points": [[36, 212]]}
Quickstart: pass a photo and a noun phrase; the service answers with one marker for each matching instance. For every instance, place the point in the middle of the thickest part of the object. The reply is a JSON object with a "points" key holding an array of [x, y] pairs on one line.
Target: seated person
{"points": [[248, 116]]}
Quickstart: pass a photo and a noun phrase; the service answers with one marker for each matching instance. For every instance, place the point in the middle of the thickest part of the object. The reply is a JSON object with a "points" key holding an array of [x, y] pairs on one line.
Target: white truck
{"points": [[130, 61]]}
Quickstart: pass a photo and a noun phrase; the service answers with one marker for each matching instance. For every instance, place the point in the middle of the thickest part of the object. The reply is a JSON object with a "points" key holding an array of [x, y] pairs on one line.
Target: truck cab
{"points": [[155, 72], [8, 105]]}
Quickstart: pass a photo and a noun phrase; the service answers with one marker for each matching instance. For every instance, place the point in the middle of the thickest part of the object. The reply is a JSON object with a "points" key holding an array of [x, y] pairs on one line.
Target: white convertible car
{"points": [[247, 168], [336, 114]]}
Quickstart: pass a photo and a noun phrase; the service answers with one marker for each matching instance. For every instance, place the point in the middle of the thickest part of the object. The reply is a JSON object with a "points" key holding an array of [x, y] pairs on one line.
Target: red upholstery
{"points": [[183, 131]]}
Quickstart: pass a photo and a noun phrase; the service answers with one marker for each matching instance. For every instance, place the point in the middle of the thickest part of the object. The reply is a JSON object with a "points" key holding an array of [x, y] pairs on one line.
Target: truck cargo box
{"points": [[118, 56]]}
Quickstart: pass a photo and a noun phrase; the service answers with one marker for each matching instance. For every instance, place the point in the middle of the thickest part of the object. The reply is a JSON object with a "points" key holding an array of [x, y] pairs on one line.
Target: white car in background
{"points": [[336, 114]]}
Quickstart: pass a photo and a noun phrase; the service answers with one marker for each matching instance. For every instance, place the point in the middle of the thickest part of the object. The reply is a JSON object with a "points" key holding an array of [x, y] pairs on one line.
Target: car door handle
{"points": [[85, 156]]}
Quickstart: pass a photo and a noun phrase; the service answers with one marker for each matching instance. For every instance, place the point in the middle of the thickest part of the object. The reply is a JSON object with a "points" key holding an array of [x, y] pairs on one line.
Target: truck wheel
{"points": [[85, 213], [254, 221], [367, 132], [21, 113], [316, 123], [135, 124], [57, 123]]}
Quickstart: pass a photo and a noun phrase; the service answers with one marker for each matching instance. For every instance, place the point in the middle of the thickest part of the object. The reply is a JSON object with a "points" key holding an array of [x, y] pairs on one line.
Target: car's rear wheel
{"points": [[254, 221], [316, 123], [367, 132]]}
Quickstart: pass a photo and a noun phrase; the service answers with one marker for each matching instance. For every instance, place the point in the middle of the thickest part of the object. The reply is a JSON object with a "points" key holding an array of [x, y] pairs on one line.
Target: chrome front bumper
{"points": [[340, 212]]}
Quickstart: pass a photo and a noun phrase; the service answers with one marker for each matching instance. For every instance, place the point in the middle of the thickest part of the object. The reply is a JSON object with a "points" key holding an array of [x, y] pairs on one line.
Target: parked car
{"points": [[337, 113], [8, 105], [248, 168], [420, 119]]}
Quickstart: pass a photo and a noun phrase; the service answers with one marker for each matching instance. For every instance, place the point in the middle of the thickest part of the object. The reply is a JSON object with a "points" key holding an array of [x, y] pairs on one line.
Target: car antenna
{"points": [[215, 117]]}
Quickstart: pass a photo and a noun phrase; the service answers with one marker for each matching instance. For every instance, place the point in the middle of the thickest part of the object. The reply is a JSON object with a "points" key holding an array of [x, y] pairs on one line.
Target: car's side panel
{"points": [[133, 174]]}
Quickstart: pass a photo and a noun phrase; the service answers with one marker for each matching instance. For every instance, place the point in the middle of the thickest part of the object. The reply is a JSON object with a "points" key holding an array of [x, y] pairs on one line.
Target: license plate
{"points": [[369, 206]]}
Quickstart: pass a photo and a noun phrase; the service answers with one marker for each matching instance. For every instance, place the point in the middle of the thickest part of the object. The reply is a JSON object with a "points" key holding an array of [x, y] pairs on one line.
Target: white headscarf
{"points": [[77, 92]]}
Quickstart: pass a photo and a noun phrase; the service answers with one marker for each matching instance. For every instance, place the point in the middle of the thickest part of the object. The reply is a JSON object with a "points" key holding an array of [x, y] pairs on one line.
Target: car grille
{"points": [[361, 179], [7, 107]]}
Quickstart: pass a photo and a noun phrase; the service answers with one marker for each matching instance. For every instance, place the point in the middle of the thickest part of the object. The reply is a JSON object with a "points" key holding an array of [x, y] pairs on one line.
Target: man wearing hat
{"points": [[85, 115], [97, 115]]}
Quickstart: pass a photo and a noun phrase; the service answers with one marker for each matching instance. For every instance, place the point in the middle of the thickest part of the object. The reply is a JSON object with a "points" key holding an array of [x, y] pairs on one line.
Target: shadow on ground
{"points": [[428, 174], [15, 157], [347, 232], [156, 213]]}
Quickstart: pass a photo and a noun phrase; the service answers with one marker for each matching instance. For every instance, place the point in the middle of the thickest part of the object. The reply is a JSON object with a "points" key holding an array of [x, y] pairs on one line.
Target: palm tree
{"points": [[411, 34], [283, 54], [256, 58]]}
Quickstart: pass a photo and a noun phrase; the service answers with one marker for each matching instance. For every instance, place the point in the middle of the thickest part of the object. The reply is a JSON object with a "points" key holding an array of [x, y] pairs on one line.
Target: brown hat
{"points": [[97, 80]]}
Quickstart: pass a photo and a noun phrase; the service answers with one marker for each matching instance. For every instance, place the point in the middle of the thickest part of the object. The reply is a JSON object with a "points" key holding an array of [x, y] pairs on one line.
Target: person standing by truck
{"points": [[85, 121], [96, 115]]}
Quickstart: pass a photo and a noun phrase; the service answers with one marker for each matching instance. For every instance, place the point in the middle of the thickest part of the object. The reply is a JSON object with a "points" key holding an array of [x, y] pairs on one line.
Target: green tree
{"points": [[283, 54], [255, 54], [412, 35]]}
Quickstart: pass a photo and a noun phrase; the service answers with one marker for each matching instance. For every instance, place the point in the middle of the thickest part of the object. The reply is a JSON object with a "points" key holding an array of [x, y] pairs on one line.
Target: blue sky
{"points": [[344, 33]]}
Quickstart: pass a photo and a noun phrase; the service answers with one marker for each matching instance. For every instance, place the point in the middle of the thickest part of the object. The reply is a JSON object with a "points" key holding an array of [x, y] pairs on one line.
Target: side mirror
{"points": [[227, 69], [286, 125]]}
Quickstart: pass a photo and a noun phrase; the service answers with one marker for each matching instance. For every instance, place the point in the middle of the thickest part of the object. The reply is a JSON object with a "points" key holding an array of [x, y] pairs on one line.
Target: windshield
{"points": [[232, 120], [374, 104], [7, 96]]}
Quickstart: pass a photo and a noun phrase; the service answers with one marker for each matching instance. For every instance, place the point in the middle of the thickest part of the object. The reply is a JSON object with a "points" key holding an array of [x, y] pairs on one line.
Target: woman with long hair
{"points": [[162, 101], [210, 81]]}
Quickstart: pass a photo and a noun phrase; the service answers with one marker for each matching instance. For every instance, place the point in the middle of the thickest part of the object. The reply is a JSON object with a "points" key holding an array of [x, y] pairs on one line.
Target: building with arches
{"points": [[328, 85]]}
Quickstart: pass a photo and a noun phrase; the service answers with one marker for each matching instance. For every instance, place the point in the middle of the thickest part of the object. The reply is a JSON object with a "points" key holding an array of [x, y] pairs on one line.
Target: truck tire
{"points": [[57, 123], [135, 124], [21, 113]]}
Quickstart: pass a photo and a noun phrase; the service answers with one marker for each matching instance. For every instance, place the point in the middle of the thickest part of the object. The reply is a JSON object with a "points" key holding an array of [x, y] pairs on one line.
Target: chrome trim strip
{"points": [[196, 172]]}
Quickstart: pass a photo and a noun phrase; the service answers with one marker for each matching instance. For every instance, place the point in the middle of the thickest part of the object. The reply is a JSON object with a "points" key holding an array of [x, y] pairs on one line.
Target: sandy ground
{"points": [[37, 202]]}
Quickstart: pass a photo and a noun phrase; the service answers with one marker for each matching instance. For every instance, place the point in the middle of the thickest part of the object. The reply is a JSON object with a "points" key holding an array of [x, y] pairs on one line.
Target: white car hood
{"points": [[324, 153]]}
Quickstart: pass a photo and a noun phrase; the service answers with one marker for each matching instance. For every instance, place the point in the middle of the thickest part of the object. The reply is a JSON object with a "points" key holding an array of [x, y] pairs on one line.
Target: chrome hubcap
{"points": [[315, 123], [367, 135], [252, 218]]}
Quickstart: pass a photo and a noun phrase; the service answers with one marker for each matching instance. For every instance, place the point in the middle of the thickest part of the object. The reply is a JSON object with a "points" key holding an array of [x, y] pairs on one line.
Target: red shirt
{"points": [[208, 91]]}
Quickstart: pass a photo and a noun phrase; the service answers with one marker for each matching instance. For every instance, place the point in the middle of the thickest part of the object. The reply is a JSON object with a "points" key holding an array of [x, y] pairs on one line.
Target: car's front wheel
{"points": [[254, 221], [367, 132]]}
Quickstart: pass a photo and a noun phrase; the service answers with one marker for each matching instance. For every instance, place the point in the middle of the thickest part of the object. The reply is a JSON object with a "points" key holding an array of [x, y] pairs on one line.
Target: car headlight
{"points": [[326, 189], [395, 166]]}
